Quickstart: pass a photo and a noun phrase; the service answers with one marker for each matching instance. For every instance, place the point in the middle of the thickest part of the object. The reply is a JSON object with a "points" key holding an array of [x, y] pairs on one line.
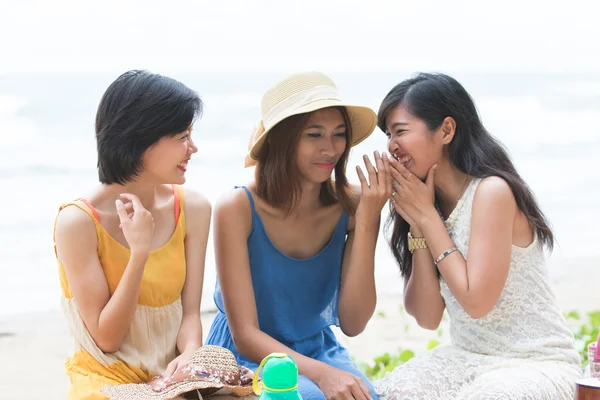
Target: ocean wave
{"points": [[40, 170]]}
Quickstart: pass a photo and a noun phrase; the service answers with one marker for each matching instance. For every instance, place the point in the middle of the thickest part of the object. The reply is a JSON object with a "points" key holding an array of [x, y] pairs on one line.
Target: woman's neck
{"points": [[450, 184], [309, 199], [145, 192]]}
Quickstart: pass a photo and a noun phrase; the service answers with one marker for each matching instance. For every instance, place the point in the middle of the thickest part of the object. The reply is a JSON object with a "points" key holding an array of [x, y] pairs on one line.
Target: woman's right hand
{"points": [[337, 384], [137, 226], [414, 229]]}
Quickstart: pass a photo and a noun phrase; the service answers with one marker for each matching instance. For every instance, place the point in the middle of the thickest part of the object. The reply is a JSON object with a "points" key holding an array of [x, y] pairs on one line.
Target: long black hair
{"points": [[473, 150]]}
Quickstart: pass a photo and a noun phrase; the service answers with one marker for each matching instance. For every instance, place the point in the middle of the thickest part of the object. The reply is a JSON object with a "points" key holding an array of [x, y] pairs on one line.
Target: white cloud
{"points": [[265, 35]]}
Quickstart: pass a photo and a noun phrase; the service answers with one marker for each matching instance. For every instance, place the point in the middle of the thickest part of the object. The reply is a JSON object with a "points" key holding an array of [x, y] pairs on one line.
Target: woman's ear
{"points": [[448, 129]]}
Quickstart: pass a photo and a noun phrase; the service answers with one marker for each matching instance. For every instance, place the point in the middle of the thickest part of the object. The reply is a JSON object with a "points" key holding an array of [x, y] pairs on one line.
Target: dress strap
{"points": [[249, 198], [92, 209]]}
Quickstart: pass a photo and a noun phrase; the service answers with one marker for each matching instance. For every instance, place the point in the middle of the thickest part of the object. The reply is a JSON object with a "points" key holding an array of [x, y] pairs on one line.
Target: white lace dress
{"points": [[522, 349]]}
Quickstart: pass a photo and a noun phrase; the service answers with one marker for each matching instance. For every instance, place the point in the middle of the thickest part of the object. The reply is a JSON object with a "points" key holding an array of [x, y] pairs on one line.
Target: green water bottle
{"points": [[279, 378]]}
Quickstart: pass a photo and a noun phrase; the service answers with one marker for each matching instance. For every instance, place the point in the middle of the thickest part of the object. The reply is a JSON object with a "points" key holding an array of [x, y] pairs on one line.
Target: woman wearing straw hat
{"points": [[295, 249], [131, 253]]}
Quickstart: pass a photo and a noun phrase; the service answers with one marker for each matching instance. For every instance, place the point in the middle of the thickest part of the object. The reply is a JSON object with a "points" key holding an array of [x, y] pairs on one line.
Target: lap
{"points": [[449, 372], [432, 376], [534, 382]]}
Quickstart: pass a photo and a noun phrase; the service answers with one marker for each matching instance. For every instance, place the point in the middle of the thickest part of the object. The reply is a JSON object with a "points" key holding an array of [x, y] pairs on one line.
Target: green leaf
{"points": [[585, 330], [406, 355], [573, 315]]}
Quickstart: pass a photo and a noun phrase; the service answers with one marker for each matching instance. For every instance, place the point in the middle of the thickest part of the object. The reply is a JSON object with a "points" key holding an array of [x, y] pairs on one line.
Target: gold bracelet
{"points": [[416, 243]]}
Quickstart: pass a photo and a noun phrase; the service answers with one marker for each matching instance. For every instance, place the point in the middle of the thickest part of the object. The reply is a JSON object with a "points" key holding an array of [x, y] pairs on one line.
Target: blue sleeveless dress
{"points": [[296, 302]]}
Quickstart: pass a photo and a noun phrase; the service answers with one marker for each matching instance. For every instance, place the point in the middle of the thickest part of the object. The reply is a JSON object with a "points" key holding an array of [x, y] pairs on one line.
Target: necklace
{"points": [[462, 190]]}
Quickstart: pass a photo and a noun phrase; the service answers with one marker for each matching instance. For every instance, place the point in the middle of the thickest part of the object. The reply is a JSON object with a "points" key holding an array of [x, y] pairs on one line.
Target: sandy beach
{"points": [[33, 346]]}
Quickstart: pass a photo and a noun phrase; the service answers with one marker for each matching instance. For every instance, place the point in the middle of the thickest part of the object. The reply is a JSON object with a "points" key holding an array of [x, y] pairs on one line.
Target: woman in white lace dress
{"points": [[468, 235]]}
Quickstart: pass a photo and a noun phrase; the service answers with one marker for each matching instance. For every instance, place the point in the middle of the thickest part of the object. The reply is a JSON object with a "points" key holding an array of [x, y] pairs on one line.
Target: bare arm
{"points": [[478, 281], [422, 297], [198, 214], [358, 296], [106, 317]]}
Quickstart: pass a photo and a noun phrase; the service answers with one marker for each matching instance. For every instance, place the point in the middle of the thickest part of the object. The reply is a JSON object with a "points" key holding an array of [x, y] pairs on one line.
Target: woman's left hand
{"points": [[376, 190], [178, 362], [412, 195]]}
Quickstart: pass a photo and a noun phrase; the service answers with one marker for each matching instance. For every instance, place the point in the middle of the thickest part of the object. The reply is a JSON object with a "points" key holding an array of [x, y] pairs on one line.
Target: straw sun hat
{"points": [[211, 370], [302, 93]]}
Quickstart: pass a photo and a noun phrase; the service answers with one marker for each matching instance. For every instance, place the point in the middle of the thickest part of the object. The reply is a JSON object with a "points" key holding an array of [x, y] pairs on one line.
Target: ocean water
{"points": [[549, 123]]}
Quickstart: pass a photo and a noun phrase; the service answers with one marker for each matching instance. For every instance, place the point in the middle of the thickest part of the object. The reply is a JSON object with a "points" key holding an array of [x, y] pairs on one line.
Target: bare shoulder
{"points": [[75, 234], [494, 187], [233, 205], [72, 220], [494, 193], [234, 201], [233, 210], [195, 202], [197, 211]]}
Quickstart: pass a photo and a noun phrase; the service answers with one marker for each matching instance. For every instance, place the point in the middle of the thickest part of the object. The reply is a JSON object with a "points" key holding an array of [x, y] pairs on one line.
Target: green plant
{"points": [[386, 362], [585, 330]]}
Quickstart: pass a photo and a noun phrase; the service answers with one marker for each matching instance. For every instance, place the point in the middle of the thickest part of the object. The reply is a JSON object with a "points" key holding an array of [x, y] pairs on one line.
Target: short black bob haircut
{"points": [[136, 111]]}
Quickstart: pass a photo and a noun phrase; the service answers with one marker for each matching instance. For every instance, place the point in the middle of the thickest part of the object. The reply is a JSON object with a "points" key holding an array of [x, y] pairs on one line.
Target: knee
{"points": [[309, 390], [311, 394]]}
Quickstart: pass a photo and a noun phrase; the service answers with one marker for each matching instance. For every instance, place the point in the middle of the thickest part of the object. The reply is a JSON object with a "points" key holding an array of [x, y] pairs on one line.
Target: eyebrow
{"points": [[317, 126], [396, 124]]}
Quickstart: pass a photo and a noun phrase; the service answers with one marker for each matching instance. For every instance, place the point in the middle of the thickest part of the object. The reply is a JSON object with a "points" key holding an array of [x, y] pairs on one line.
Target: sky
{"points": [[458, 36]]}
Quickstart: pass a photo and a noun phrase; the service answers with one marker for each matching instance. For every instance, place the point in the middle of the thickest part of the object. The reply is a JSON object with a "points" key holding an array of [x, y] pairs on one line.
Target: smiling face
{"points": [[412, 143], [166, 161], [321, 144]]}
